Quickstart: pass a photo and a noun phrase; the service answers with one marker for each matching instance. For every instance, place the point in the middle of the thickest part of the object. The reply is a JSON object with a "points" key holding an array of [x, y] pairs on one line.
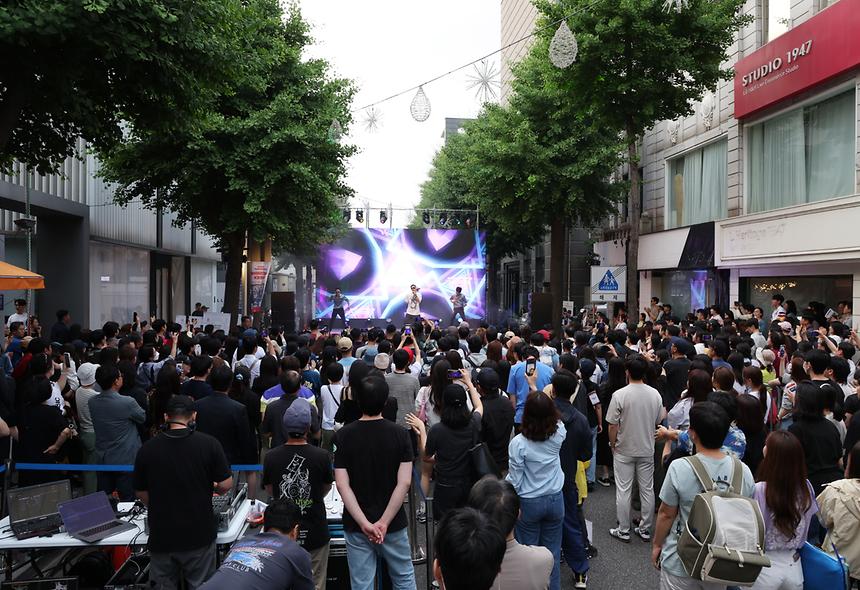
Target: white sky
{"points": [[386, 46]]}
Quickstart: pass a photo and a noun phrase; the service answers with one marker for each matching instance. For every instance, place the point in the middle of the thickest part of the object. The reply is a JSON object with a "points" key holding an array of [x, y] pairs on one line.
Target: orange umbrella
{"points": [[13, 278]]}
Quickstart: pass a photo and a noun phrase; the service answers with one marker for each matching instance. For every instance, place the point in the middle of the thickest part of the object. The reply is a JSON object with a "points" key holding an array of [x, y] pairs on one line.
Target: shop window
{"points": [[777, 18], [698, 186], [803, 156]]}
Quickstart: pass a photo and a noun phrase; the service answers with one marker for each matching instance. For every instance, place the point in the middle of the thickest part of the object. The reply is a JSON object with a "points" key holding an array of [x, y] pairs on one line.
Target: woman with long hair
{"points": [[797, 374], [839, 513], [787, 505], [240, 392], [616, 378], [751, 422], [268, 376], [754, 386], [698, 388], [167, 385], [504, 371], [348, 411], [822, 447], [430, 401], [535, 472], [494, 351]]}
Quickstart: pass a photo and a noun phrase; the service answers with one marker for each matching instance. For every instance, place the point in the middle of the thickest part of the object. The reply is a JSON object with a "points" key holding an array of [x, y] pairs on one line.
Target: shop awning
{"points": [[13, 278]]}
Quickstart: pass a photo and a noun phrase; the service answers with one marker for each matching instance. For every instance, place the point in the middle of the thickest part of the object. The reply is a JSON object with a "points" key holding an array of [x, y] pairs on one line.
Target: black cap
{"points": [[488, 379], [179, 404]]}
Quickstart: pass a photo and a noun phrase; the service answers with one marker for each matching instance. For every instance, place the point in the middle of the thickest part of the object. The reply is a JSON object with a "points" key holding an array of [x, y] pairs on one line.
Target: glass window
{"points": [[698, 186], [803, 156], [119, 283], [778, 15]]}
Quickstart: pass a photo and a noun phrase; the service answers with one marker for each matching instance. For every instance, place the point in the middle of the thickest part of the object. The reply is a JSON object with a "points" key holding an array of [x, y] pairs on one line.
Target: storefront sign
{"points": [[259, 273], [824, 46], [608, 283]]}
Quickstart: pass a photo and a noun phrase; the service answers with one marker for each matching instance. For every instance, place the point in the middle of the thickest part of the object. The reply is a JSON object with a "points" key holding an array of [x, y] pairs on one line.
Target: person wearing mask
{"points": [[524, 567], [709, 425], [373, 471], [226, 420], [302, 474], [787, 505], [469, 549], [497, 419], [518, 382], [291, 383], [576, 447], [115, 420], [447, 445], [633, 414], [197, 387], [822, 448], [178, 496], [83, 395], [840, 515], [402, 385], [534, 469], [279, 561]]}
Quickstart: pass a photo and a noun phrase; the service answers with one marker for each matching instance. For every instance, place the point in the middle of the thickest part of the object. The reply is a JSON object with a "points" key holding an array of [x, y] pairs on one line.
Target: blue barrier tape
{"points": [[108, 468], [2, 468]]}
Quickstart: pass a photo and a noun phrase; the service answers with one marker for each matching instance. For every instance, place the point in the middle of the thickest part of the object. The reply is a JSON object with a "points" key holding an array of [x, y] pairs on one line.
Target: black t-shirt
{"points": [[451, 447], [178, 468], [838, 394], [677, 371], [300, 472], [585, 400], [196, 389], [268, 561], [38, 428], [371, 451], [227, 420], [273, 419], [822, 448], [496, 425]]}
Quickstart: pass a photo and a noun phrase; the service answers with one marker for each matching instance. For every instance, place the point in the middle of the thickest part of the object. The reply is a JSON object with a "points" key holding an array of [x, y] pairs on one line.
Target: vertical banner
{"points": [[259, 274]]}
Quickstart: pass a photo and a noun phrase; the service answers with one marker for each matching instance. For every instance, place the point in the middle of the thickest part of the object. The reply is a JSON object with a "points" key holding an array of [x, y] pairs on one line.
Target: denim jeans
{"points": [[362, 557], [591, 472], [541, 523], [573, 541]]}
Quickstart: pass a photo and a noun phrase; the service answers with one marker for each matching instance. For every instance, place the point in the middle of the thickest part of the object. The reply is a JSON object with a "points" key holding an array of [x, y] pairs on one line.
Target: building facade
{"points": [[757, 190], [101, 261]]}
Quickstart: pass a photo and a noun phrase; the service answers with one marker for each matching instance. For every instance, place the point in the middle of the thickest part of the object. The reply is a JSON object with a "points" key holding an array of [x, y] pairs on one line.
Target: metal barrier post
{"points": [[430, 530], [412, 530]]}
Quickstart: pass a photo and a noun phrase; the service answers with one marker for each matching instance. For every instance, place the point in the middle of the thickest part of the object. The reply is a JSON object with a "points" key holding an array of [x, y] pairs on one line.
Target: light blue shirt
{"points": [[517, 384], [534, 468]]}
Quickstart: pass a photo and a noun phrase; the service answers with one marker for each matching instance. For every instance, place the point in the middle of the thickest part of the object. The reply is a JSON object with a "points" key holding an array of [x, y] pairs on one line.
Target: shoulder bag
{"points": [[483, 463]]}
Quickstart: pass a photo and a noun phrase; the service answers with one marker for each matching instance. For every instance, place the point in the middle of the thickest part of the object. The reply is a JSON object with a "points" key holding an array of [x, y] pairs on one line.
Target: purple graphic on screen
{"points": [[375, 267]]}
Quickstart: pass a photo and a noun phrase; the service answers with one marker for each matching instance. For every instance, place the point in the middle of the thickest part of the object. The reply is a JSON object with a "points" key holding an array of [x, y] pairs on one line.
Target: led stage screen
{"points": [[374, 268]]}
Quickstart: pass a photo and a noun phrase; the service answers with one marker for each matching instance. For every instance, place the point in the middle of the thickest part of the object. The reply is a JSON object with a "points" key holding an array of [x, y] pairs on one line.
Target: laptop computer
{"points": [[33, 509], [90, 518]]}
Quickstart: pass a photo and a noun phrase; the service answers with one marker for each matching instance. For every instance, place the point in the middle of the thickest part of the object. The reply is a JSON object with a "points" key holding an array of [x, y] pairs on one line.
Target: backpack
{"points": [[723, 540]]}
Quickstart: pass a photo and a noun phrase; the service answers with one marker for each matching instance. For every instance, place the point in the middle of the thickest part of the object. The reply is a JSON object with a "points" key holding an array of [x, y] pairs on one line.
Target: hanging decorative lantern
{"points": [[335, 131], [420, 107], [563, 49]]}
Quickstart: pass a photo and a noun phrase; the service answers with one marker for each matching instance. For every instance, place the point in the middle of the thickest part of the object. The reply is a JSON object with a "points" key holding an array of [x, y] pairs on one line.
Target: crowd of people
{"points": [[507, 430]]}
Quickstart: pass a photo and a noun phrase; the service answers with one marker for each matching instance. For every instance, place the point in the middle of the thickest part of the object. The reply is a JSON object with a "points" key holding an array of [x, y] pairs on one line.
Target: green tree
{"points": [[259, 164], [639, 64], [89, 68]]}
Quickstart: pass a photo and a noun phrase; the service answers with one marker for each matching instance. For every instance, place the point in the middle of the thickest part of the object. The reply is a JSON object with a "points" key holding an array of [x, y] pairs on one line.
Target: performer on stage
{"points": [[458, 301], [338, 300], [413, 306]]}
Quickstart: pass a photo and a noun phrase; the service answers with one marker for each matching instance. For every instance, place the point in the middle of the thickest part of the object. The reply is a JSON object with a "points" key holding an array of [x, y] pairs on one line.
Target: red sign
{"points": [[825, 46]]}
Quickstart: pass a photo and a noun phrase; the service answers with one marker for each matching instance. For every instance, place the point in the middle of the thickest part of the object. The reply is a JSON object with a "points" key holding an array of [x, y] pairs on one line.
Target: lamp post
{"points": [[27, 225]]}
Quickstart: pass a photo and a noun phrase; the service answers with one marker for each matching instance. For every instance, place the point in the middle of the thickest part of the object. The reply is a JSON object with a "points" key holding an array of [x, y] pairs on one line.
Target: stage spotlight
{"points": [[383, 217], [359, 215], [426, 218], [347, 215], [470, 222], [455, 220], [443, 219]]}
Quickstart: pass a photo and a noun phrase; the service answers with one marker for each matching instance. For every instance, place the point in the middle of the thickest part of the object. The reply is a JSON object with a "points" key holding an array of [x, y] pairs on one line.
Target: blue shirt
{"points": [[518, 386], [735, 443], [534, 468]]}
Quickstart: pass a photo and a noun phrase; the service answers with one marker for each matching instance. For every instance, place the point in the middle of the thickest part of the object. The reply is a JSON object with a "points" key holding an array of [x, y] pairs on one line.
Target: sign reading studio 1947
{"points": [[813, 52], [608, 284]]}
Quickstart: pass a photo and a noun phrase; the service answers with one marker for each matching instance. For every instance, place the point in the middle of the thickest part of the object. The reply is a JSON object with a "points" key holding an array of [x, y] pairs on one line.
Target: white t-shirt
{"points": [[56, 398], [330, 395], [413, 304], [18, 317]]}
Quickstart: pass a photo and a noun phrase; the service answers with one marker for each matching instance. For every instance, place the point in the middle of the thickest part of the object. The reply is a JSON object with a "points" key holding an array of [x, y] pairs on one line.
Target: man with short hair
{"points": [[20, 315], [633, 415], [344, 351], [198, 310], [227, 420], [271, 560], [518, 385], [198, 387], [469, 550], [368, 352], [458, 305], [709, 425], [302, 473], [83, 394], [776, 301], [402, 385], [60, 330], [548, 354], [338, 301], [413, 306], [115, 418], [718, 350], [373, 471], [677, 370], [524, 567], [291, 383], [178, 496], [15, 342]]}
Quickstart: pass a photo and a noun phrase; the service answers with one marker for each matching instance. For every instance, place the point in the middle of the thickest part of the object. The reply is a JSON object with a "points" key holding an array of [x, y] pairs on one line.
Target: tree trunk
{"points": [[633, 207], [556, 270], [235, 244]]}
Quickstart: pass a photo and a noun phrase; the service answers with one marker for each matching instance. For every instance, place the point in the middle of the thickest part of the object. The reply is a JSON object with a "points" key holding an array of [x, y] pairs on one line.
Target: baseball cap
{"points": [[454, 396], [344, 344], [765, 356], [586, 368], [683, 345], [545, 334], [87, 374], [179, 404], [488, 379], [297, 418], [382, 361], [509, 335], [785, 326]]}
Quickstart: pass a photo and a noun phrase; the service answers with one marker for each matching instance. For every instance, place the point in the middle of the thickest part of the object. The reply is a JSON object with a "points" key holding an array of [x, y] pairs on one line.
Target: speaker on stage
{"points": [[284, 310], [541, 312]]}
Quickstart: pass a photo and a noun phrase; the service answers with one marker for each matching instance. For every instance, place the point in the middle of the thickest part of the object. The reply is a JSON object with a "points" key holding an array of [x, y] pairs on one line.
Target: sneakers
{"points": [[580, 580], [644, 534], [604, 481], [623, 536]]}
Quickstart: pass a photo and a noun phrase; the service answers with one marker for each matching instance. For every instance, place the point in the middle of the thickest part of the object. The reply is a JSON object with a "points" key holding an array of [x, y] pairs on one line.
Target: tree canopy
{"points": [[93, 68]]}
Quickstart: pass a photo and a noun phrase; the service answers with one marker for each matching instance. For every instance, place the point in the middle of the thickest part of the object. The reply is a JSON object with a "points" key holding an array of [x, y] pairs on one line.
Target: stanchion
{"points": [[430, 531], [412, 499]]}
